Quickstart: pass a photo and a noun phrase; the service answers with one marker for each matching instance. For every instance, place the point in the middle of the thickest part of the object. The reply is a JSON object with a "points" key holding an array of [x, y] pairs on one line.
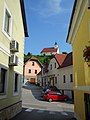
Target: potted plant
{"points": [[86, 55]]}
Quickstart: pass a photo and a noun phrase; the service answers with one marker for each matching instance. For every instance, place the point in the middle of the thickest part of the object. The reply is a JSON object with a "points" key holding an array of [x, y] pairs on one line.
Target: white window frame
{"points": [[4, 95], [18, 89], [10, 27]]}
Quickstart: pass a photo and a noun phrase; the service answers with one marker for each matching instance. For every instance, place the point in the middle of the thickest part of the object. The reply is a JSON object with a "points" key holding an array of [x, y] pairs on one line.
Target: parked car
{"points": [[54, 88], [54, 96], [49, 88]]}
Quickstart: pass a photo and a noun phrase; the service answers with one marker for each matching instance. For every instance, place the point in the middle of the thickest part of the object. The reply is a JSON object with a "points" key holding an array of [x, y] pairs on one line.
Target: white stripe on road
{"points": [[51, 112], [40, 111], [28, 110], [64, 113]]}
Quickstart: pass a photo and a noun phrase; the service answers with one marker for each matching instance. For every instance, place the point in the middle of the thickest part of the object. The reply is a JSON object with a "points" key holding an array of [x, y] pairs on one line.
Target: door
{"points": [[87, 105], [32, 80]]}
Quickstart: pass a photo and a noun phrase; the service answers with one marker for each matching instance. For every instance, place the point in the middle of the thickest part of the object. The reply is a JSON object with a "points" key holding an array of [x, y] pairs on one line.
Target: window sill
{"points": [[6, 34], [3, 96], [15, 93]]}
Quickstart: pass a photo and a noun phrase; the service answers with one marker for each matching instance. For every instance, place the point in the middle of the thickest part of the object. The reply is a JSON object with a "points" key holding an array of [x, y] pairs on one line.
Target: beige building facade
{"points": [[13, 29]]}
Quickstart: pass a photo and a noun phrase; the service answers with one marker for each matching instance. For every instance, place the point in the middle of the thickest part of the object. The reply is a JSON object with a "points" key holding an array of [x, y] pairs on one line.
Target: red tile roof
{"points": [[51, 49], [64, 60], [60, 58], [68, 60]]}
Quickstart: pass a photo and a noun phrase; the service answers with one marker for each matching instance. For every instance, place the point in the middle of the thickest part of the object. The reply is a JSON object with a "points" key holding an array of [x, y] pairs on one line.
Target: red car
{"points": [[54, 96]]}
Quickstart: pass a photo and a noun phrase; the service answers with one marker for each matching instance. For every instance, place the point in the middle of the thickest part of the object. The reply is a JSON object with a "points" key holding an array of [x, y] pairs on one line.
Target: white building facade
{"points": [[60, 74]]}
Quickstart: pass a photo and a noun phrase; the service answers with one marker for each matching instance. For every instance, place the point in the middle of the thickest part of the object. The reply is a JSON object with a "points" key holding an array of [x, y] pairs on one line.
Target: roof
{"points": [[51, 49], [64, 60], [40, 73], [68, 60], [60, 58], [34, 59], [73, 11], [24, 17]]}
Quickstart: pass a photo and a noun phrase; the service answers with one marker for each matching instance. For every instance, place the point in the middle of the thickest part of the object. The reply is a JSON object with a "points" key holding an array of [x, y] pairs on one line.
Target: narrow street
{"points": [[34, 108]]}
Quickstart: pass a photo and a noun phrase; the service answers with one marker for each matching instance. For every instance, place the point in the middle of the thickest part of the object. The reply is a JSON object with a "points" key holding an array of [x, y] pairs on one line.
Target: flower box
{"points": [[86, 54]]}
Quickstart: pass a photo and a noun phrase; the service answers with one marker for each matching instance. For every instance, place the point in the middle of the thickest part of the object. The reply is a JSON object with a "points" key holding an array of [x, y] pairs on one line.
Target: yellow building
{"points": [[79, 37], [13, 29]]}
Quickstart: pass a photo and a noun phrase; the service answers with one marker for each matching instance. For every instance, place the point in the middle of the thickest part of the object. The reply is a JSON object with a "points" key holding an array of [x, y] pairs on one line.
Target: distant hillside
{"points": [[42, 58]]}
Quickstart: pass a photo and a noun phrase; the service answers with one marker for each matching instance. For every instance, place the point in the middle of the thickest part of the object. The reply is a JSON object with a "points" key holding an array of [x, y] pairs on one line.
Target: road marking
{"points": [[28, 110], [40, 111], [64, 113], [51, 112]]}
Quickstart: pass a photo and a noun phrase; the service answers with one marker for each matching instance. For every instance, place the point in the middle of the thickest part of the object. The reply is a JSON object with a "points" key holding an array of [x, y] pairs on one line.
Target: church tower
{"points": [[56, 46]]}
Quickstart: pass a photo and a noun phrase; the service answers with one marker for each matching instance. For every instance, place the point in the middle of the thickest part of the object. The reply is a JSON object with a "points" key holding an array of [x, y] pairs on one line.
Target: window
{"points": [[7, 22], [35, 71], [55, 65], [88, 4], [71, 78], [3, 80], [32, 63], [64, 78], [51, 67], [55, 80], [29, 71], [16, 83]]}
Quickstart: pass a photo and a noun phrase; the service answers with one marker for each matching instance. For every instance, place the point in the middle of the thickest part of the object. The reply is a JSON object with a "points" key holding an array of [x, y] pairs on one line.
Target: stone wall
{"points": [[11, 111]]}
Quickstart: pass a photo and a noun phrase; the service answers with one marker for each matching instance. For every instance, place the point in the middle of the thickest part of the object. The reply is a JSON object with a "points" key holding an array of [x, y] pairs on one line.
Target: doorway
{"points": [[87, 105]]}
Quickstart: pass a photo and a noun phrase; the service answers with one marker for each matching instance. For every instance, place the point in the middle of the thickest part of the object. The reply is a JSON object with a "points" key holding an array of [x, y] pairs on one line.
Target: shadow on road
{"points": [[37, 92], [39, 114]]}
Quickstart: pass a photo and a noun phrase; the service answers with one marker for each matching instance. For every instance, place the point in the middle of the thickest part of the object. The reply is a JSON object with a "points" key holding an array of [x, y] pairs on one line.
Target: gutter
{"points": [[73, 11]]}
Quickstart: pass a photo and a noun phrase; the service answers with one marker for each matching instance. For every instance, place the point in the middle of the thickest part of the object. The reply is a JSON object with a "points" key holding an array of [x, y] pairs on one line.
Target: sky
{"points": [[47, 22]]}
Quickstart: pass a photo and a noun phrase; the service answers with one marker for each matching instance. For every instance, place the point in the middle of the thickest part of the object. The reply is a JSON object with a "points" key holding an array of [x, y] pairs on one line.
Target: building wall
{"points": [[65, 71], [28, 66], [39, 79], [58, 73], [81, 69], [53, 72], [17, 34], [68, 85]]}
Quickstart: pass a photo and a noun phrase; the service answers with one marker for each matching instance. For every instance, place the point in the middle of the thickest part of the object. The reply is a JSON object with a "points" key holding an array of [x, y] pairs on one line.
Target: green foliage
{"points": [[28, 56], [42, 58]]}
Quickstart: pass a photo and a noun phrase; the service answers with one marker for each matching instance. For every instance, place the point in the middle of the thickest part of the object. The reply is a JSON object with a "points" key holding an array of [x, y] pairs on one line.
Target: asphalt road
{"points": [[34, 108]]}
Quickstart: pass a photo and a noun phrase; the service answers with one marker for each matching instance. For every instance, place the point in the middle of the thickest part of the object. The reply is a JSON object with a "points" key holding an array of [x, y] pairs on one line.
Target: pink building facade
{"points": [[31, 68]]}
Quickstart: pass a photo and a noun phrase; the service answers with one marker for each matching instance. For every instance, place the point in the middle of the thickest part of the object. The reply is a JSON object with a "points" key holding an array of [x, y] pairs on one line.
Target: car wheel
{"points": [[65, 99], [50, 100]]}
